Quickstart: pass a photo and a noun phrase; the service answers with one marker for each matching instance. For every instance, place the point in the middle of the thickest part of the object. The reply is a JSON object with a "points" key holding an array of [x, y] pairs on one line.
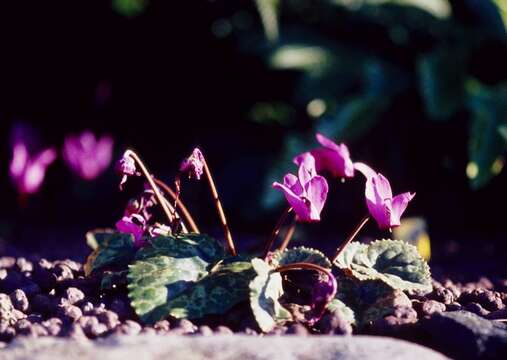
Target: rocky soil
{"points": [[40, 298]]}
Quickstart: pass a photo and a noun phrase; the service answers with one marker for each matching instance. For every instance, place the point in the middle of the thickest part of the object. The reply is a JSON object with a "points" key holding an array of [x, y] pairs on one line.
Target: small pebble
{"points": [[70, 312], [53, 326], [19, 300], [6, 262], [204, 330], [223, 330], [187, 326], [162, 326], [74, 295], [62, 272], [24, 265], [108, 318], [87, 307], [129, 327]]}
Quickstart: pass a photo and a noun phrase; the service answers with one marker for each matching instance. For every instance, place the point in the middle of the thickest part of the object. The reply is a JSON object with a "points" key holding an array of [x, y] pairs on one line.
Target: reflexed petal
{"points": [[292, 182], [301, 207], [399, 205], [316, 192], [306, 169], [382, 187], [326, 142], [377, 206], [364, 169]]}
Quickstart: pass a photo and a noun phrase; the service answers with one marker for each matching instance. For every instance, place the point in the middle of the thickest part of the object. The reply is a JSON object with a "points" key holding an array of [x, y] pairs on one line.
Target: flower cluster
{"points": [[307, 192], [84, 154]]}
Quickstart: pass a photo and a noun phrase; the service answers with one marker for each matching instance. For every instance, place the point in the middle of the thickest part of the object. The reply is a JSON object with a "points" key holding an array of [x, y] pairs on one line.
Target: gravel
{"points": [[54, 299]]}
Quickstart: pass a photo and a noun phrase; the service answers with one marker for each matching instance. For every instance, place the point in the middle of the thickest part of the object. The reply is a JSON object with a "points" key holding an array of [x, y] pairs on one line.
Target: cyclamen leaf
{"points": [[265, 290], [300, 254], [114, 249], [217, 293], [165, 268], [393, 261]]}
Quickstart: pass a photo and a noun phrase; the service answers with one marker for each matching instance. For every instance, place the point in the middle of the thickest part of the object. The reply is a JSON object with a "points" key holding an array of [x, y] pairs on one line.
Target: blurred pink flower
{"points": [[331, 157], [193, 165], [86, 155], [26, 171], [384, 208], [135, 225], [307, 192]]}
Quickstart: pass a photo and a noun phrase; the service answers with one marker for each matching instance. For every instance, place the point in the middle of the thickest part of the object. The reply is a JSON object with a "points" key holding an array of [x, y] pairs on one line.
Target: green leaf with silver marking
{"points": [[114, 249], [299, 254], [395, 262], [165, 268], [265, 291]]}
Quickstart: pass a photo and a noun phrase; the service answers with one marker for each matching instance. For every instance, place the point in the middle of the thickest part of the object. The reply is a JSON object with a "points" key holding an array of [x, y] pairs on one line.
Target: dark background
{"points": [[175, 83]]}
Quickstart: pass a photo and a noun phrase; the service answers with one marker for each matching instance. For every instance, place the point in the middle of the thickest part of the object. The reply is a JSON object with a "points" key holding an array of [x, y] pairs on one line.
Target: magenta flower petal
{"points": [[385, 209], [292, 182], [331, 157], [86, 156], [364, 169], [301, 207], [193, 165], [305, 193], [28, 173], [399, 205], [134, 225], [316, 192]]}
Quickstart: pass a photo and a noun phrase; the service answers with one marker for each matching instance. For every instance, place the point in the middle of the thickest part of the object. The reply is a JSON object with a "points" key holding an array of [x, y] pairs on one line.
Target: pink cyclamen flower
{"points": [[331, 157], [307, 192], [86, 155], [384, 208], [126, 167], [135, 225], [28, 172], [193, 165]]}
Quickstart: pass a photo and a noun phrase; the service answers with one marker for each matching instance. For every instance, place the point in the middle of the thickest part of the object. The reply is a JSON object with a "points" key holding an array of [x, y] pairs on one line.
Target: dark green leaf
{"points": [[299, 254], [355, 118], [486, 145], [114, 249], [442, 82], [167, 267]]}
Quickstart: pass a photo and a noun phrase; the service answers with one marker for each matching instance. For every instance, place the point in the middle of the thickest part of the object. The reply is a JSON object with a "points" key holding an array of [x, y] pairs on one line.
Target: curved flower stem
{"points": [[288, 236], [304, 266], [221, 214], [160, 199], [350, 238], [177, 217], [276, 230], [188, 217]]}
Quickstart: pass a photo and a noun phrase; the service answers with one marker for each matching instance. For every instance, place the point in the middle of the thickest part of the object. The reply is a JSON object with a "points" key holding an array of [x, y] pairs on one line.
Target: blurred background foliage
{"points": [[416, 88]]}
